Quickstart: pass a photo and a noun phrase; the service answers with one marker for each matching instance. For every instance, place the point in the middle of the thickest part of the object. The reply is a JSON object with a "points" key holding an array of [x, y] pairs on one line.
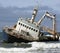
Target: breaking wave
{"points": [[36, 47]]}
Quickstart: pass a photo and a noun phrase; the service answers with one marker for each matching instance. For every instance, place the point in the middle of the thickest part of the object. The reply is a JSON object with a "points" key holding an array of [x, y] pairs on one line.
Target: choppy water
{"points": [[36, 47], [31, 47]]}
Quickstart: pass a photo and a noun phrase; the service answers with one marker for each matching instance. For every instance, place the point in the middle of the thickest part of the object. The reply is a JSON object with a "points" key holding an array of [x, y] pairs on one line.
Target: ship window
{"points": [[27, 26], [19, 23], [23, 24], [27, 33], [31, 28], [36, 30]]}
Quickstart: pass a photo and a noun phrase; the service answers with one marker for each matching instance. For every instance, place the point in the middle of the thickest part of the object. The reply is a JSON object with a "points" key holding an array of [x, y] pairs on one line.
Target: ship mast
{"points": [[34, 14]]}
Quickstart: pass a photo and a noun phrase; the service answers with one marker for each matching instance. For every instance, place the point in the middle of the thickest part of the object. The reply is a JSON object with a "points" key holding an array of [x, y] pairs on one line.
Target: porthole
{"points": [[19, 23], [36, 30], [23, 24], [27, 26], [33, 29]]}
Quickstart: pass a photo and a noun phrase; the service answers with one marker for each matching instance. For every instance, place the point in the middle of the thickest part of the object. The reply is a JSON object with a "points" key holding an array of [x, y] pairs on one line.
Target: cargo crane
{"points": [[51, 31], [51, 17]]}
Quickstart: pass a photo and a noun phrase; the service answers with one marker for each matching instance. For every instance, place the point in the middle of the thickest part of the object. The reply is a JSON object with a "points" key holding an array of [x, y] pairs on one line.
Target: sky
{"points": [[55, 4], [10, 10]]}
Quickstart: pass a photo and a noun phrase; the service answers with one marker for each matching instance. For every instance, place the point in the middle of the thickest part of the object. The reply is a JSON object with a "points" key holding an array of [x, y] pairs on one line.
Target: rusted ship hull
{"points": [[15, 37], [12, 36]]}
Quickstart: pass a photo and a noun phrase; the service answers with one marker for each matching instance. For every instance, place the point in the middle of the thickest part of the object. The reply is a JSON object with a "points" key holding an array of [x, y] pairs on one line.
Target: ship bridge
{"points": [[25, 25]]}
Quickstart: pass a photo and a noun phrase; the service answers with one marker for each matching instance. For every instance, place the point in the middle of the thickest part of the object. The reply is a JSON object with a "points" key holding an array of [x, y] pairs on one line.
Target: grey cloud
{"points": [[9, 15]]}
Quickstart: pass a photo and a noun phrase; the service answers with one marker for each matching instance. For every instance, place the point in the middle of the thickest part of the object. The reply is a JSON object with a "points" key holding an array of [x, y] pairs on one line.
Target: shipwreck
{"points": [[29, 30]]}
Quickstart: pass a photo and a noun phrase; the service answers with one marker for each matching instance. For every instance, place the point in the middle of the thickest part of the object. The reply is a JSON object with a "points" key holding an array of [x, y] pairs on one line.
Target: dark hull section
{"points": [[48, 39], [12, 39]]}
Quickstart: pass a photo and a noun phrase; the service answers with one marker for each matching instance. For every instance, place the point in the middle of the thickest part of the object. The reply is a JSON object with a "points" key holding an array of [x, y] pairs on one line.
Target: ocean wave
{"points": [[36, 47]]}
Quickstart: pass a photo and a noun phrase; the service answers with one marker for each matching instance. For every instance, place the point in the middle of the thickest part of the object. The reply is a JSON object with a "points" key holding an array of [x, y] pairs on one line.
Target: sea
{"points": [[30, 47]]}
